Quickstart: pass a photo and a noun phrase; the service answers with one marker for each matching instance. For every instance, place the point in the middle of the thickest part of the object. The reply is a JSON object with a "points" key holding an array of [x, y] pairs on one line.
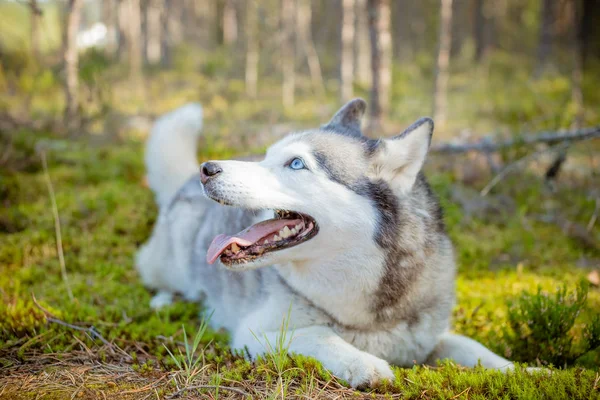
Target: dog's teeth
{"points": [[276, 238], [285, 232], [235, 248], [293, 231], [298, 227], [266, 241]]}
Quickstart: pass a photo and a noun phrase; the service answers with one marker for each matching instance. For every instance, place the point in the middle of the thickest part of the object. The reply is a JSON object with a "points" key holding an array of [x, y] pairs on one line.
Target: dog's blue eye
{"points": [[297, 163]]}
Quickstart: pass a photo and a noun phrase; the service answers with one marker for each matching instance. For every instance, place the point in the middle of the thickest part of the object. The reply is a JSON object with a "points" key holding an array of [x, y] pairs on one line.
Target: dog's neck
{"points": [[343, 287]]}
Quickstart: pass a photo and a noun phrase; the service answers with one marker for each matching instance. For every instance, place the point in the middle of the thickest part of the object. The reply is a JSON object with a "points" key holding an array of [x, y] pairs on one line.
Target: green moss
{"points": [[106, 213]]}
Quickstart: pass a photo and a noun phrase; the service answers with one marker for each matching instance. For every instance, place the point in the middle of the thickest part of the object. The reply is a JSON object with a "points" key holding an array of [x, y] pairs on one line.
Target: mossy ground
{"points": [[503, 248], [106, 212]]}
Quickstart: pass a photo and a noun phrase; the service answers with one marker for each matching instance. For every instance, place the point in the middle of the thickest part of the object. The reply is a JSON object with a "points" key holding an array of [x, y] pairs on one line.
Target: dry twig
{"points": [[592, 222], [486, 145], [91, 331], [59, 248]]}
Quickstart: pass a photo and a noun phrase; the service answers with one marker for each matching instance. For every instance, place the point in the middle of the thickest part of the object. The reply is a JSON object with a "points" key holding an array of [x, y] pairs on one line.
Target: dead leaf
{"points": [[594, 277]]}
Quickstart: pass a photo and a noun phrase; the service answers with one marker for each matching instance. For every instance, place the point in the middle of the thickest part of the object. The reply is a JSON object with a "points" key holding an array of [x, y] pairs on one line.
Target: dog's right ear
{"points": [[399, 159], [348, 118]]}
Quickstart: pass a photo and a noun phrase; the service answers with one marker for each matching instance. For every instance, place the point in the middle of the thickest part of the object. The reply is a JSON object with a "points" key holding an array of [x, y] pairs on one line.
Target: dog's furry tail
{"points": [[171, 151]]}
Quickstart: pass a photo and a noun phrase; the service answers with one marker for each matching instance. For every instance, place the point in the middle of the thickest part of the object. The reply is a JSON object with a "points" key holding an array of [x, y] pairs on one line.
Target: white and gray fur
{"points": [[374, 287]]}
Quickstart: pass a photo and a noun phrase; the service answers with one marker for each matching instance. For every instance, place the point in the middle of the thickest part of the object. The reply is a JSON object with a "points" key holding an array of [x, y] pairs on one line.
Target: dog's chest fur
{"points": [[335, 293]]}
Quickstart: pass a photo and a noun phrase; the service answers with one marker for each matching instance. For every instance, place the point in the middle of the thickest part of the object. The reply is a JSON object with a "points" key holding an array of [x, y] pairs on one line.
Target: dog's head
{"points": [[330, 188]]}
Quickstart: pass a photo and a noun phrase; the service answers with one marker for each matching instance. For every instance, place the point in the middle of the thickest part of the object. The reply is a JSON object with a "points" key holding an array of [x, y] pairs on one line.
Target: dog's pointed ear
{"points": [[400, 158], [348, 118]]}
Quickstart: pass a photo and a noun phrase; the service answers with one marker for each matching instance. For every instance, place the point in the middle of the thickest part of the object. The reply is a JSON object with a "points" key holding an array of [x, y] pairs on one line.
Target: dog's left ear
{"points": [[348, 118], [399, 159]]}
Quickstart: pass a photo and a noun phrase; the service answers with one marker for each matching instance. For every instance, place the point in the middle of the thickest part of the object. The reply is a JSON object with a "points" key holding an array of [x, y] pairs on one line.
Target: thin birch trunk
{"points": [[230, 28], [440, 92], [379, 33], [347, 56], [288, 53], [71, 62], [362, 44], [165, 34], [545, 36], [303, 18], [251, 48], [134, 41], [109, 17], [153, 32], [36, 14]]}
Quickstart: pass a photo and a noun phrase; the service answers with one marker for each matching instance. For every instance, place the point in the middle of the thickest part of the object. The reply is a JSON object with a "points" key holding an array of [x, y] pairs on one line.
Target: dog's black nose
{"points": [[208, 170]]}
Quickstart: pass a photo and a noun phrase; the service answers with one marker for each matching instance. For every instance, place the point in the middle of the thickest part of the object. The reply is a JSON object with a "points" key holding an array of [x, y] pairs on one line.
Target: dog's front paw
{"points": [[161, 299], [365, 370]]}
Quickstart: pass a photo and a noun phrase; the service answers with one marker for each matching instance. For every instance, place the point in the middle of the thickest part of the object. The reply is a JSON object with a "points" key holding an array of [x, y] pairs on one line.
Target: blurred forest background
{"points": [[511, 84], [474, 65]]}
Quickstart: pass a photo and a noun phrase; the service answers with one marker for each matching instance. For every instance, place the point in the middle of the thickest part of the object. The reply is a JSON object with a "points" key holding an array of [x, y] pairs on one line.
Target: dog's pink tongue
{"points": [[247, 237]]}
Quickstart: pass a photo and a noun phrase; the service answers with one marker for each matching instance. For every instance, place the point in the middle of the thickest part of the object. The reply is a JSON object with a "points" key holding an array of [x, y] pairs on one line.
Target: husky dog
{"points": [[337, 233]]}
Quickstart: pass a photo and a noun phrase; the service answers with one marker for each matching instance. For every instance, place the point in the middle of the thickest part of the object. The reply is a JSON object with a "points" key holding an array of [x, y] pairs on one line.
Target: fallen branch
{"points": [[512, 166], [487, 145], [91, 331], [571, 229]]}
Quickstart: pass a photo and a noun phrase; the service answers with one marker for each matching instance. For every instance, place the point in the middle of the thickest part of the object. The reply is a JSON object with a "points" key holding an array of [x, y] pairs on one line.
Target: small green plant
{"points": [[190, 362], [541, 327], [278, 353]]}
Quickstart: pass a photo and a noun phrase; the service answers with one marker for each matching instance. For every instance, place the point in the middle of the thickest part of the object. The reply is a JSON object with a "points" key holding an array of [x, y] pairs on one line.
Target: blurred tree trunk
{"points": [[381, 54], [288, 52], [144, 5], [483, 29], [122, 27], [251, 48], [230, 25], [152, 37], [134, 41], [206, 12], [326, 31], [458, 28], [175, 10], [575, 12], [165, 38], [71, 64], [304, 22], [440, 92], [189, 20], [362, 45], [347, 59], [545, 36], [577, 71], [479, 23], [36, 15], [109, 19], [590, 34]]}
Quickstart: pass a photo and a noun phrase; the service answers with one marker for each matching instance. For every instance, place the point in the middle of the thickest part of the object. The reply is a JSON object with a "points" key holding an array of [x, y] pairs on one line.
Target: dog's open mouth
{"points": [[286, 230]]}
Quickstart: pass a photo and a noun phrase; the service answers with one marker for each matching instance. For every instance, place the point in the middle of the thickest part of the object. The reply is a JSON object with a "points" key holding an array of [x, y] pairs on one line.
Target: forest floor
{"points": [[82, 328], [504, 244]]}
